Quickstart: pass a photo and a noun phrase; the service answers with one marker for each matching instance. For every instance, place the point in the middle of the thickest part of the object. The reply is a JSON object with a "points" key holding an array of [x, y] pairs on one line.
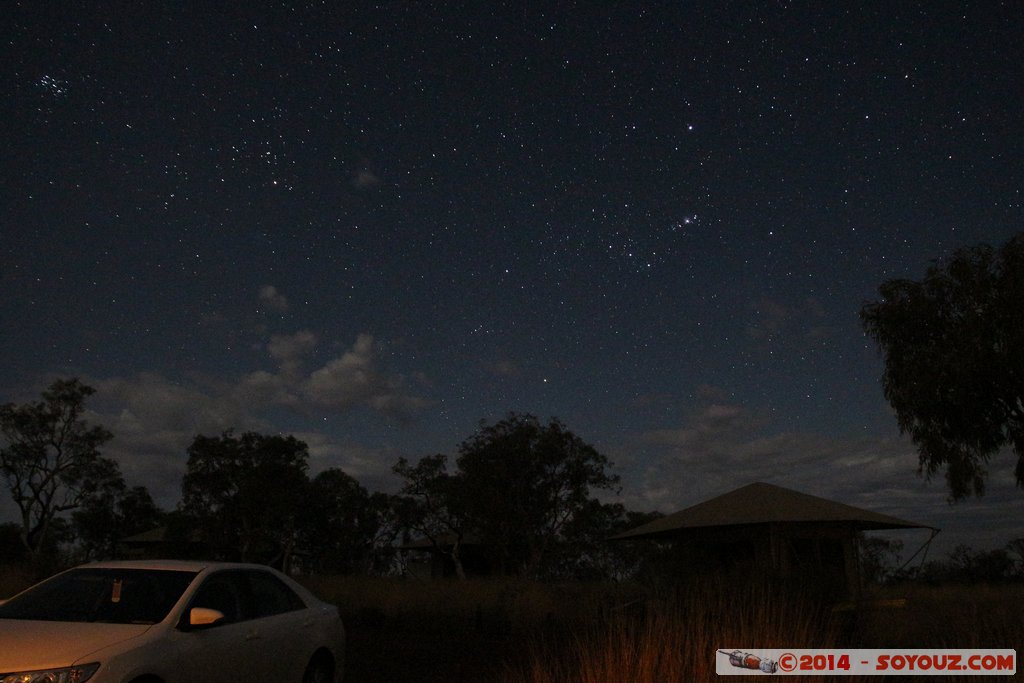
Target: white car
{"points": [[169, 622]]}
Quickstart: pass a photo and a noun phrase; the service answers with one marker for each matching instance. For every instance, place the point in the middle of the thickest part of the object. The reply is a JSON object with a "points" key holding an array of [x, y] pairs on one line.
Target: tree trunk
{"points": [[460, 571]]}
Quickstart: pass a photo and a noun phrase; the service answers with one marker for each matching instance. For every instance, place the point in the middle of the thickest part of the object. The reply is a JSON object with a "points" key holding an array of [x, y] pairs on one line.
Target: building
{"points": [[766, 530], [434, 557]]}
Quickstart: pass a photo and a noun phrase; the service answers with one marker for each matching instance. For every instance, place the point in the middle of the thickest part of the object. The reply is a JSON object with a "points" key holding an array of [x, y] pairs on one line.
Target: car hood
{"points": [[29, 645]]}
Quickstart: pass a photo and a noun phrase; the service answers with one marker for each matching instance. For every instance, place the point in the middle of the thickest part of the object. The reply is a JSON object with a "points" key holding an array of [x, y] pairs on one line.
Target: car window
{"points": [[223, 592], [116, 596], [271, 596]]}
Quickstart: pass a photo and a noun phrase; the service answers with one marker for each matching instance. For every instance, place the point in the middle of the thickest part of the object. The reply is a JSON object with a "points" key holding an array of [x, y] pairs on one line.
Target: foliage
{"points": [[247, 493], [12, 550], [384, 556], [981, 565], [1015, 553], [521, 489], [879, 558], [954, 370], [968, 566], [103, 520], [585, 553], [525, 482], [251, 498], [51, 461], [14, 577], [342, 523], [432, 503]]}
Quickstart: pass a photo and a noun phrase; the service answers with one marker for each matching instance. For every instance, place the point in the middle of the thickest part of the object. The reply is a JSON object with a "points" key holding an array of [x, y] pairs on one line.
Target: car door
{"points": [[228, 649], [284, 626]]}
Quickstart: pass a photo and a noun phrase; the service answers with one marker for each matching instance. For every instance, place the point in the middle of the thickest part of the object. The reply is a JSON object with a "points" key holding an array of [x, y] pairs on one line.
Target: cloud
{"points": [[149, 398], [348, 382], [262, 388], [505, 367], [712, 430], [154, 419], [708, 392], [273, 300], [290, 351], [725, 446], [371, 466], [353, 379], [772, 318], [365, 180], [346, 379]]}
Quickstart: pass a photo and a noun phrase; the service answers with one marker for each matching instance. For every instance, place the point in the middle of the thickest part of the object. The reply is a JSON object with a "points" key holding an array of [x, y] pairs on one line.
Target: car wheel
{"points": [[319, 671]]}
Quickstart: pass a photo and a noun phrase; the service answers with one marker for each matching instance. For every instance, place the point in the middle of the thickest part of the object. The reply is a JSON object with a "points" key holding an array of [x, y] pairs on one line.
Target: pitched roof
{"points": [[446, 540], [154, 535], [761, 503]]}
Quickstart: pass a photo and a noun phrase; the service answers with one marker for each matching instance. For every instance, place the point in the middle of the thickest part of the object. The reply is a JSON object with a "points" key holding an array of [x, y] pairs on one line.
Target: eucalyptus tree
{"points": [[51, 459], [953, 346]]}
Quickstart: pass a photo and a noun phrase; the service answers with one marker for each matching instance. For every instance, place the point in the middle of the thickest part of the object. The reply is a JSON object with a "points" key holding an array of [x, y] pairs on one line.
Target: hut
{"points": [[439, 561], [159, 542], [767, 530]]}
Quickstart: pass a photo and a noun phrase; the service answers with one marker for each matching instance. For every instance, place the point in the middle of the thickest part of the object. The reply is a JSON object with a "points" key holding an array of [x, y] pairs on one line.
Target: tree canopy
{"points": [[343, 527], [247, 492], [432, 503], [953, 346], [51, 461], [250, 497], [522, 488], [104, 520]]}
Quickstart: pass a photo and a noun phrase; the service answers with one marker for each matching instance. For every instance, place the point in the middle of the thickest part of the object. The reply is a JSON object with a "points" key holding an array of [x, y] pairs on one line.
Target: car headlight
{"points": [[71, 674]]}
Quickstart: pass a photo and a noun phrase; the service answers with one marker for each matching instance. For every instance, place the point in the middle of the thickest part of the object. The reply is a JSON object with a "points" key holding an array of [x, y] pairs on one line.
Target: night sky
{"points": [[372, 225]]}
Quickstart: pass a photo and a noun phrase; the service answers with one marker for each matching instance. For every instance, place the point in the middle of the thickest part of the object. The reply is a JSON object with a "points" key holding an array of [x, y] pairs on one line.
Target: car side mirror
{"points": [[202, 617]]}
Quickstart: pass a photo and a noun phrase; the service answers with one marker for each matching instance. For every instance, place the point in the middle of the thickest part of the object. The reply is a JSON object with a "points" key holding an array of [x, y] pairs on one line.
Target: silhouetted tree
{"points": [[51, 461], [980, 565], [247, 493], [525, 483], [103, 520], [953, 346], [12, 550], [520, 489], [1015, 553], [585, 553], [389, 530], [341, 524], [432, 503], [878, 558]]}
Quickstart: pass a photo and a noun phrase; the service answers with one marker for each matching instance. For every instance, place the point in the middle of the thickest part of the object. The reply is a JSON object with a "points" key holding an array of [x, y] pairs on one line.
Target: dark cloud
{"points": [[273, 300], [724, 447], [365, 180], [154, 418]]}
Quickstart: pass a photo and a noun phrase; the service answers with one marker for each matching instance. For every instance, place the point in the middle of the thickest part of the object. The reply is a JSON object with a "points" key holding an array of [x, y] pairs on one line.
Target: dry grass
{"points": [[526, 632], [953, 616], [411, 630], [495, 605], [676, 639]]}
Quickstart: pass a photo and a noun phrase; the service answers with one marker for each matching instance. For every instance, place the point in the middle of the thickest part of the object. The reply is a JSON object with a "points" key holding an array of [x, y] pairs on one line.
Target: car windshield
{"points": [[113, 596]]}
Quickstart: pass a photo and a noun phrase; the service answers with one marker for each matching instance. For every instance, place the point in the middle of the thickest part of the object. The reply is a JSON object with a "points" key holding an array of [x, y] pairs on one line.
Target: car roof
{"points": [[172, 565]]}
